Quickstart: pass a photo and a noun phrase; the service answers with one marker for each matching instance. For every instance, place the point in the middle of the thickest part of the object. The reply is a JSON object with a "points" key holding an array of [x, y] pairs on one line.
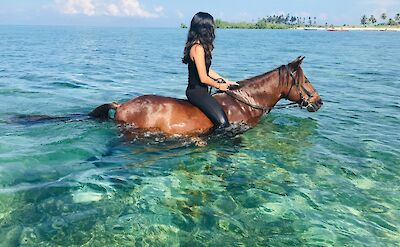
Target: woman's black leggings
{"points": [[199, 97]]}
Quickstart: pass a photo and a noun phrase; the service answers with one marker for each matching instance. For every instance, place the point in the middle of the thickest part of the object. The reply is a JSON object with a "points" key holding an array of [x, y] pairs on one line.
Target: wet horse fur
{"points": [[177, 116]]}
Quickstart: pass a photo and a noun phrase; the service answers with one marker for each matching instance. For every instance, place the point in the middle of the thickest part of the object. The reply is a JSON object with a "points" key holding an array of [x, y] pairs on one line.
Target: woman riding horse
{"points": [[198, 56], [243, 105]]}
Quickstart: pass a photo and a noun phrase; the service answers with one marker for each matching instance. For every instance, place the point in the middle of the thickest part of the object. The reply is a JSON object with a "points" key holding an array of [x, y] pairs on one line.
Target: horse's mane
{"points": [[253, 79]]}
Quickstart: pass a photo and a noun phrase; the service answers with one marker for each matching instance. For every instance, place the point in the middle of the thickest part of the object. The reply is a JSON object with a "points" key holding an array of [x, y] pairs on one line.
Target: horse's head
{"points": [[300, 89]]}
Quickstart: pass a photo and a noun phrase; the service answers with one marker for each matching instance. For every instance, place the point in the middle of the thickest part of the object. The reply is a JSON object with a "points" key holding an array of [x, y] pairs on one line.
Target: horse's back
{"points": [[153, 101], [170, 115]]}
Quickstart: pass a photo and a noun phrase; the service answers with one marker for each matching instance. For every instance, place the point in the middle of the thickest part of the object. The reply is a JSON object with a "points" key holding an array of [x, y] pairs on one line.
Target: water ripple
{"points": [[324, 179]]}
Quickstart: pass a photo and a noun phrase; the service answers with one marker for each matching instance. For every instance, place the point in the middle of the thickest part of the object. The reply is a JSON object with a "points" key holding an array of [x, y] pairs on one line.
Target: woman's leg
{"points": [[209, 106]]}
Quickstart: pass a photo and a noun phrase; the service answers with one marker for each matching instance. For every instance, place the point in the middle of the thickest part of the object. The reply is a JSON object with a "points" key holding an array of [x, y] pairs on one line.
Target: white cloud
{"points": [[73, 7], [106, 7], [133, 8], [180, 14], [113, 10], [159, 9]]}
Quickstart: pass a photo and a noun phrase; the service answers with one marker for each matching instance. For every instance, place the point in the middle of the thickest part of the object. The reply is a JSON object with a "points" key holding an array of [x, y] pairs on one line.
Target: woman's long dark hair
{"points": [[202, 29]]}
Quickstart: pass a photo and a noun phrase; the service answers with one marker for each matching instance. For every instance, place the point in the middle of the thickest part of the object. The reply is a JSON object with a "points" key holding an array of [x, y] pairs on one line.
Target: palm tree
{"points": [[397, 18], [281, 19], [287, 18], [293, 19], [364, 20], [384, 17], [391, 22], [372, 19]]}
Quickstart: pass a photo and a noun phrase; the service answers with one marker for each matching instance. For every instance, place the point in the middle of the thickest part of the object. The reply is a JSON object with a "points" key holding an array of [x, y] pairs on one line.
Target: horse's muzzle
{"points": [[313, 107]]}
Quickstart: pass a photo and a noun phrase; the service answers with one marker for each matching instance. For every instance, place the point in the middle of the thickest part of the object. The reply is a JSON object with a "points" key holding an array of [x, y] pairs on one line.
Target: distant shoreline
{"points": [[351, 28], [331, 28]]}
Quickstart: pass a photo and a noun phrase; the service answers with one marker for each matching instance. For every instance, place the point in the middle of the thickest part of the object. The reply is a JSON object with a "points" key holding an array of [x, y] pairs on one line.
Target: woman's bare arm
{"points": [[214, 74], [198, 55]]}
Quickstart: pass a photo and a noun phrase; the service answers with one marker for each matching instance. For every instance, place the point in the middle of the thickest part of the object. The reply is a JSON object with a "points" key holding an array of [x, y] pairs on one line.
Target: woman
{"points": [[198, 56]]}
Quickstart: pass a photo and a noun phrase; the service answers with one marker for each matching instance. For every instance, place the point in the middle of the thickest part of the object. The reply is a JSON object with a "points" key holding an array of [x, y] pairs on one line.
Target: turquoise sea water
{"points": [[302, 179]]}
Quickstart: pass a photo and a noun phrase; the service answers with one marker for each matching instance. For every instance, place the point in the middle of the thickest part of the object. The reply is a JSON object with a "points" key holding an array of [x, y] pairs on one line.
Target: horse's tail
{"points": [[38, 119], [103, 111]]}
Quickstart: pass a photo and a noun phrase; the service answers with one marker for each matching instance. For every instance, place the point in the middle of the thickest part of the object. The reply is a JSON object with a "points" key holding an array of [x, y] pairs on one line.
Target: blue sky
{"points": [[160, 13]]}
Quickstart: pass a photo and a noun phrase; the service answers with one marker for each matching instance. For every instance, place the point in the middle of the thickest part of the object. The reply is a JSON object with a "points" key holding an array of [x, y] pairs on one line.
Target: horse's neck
{"points": [[264, 90]]}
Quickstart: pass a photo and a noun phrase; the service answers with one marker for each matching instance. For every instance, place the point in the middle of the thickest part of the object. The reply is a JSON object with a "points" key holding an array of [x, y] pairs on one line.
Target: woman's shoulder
{"points": [[197, 49]]}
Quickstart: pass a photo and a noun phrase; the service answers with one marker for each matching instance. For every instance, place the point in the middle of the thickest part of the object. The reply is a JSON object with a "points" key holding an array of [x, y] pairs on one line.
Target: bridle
{"points": [[303, 102]]}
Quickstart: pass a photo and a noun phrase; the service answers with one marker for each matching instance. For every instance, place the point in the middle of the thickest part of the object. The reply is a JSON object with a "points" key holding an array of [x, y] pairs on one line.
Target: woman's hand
{"points": [[232, 83], [223, 86]]}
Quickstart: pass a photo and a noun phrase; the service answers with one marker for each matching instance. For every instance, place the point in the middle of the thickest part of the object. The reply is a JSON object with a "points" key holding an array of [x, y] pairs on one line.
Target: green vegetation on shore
{"points": [[251, 25], [291, 22], [371, 20], [270, 22]]}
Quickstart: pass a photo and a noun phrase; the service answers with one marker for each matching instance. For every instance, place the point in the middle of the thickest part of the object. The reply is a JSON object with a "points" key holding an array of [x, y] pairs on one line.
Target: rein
{"points": [[284, 106], [263, 108]]}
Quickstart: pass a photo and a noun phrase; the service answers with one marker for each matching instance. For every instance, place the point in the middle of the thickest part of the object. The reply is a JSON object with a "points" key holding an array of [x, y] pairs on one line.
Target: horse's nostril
{"points": [[320, 102]]}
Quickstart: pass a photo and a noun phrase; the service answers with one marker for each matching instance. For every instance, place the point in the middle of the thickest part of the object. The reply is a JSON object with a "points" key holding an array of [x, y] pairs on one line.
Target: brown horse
{"points": [[245, 104]]}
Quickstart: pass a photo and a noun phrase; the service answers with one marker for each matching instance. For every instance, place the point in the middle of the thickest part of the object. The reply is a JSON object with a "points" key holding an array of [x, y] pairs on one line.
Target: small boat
{"points": [[310, 29], [336, 30]]}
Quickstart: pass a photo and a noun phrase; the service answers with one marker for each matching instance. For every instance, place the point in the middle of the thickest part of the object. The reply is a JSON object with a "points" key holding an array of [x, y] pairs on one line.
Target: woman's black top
{"points": [[194, 78], [197, 94]]}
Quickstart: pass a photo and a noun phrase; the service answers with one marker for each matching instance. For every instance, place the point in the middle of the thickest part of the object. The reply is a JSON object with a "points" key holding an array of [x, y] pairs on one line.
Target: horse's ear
{"points": [[295, 64]]}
